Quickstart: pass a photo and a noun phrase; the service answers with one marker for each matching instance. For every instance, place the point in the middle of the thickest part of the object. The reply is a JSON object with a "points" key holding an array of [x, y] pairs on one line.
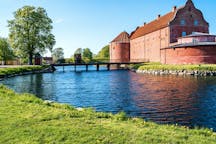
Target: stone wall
{"points": [[178, 72]]}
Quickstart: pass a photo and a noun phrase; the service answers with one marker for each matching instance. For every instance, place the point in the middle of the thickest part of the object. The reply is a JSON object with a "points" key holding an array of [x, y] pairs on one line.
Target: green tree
{"points": [[87, 55], [58, 54], [6, 52], [103, 53], [70, 60], [30, 32], [78, 51]]}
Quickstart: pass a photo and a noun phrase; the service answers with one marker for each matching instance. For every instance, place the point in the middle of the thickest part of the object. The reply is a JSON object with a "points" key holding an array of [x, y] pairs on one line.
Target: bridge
{"points": [[97, 64]]}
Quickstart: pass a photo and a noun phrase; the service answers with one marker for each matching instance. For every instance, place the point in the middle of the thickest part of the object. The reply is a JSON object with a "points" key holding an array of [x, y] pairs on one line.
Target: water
{"points": [[187, 101]]}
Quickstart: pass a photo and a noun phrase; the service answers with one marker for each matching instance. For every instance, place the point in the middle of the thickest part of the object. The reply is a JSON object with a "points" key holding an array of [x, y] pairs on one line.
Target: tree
{"points": [[58, 54], [87, 54], [30, 32], [78, 51], [103, 53], [6, 52]]}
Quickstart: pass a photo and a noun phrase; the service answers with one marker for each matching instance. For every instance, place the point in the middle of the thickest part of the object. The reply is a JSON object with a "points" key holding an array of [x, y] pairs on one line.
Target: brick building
{"points": [[120, 48], [158, 41]]}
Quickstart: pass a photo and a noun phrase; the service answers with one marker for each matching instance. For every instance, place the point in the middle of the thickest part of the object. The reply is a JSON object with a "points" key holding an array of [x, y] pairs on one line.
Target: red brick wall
{"points": [[119, 52], [147, 48], [189, 55], [189, 14], [176, 31]]}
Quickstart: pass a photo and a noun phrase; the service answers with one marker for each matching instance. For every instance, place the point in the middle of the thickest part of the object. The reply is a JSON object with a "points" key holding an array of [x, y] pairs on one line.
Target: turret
{"points": [[120, 48]]}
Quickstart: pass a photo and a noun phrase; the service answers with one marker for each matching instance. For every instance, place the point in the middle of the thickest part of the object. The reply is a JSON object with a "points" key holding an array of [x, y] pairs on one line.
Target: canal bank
{"points": [[164, 99], [12, 71], [178, 72], [159, 69], [27, 119]]}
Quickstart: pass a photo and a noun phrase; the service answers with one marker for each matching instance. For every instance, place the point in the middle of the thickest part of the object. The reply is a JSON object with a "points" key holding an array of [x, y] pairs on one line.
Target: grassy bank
{"points": [[27, 119], [158, 66], [20, 69]]}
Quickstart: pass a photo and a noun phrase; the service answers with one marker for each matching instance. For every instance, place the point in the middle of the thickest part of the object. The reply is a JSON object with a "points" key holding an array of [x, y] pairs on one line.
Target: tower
{"points": [[120, 48]]}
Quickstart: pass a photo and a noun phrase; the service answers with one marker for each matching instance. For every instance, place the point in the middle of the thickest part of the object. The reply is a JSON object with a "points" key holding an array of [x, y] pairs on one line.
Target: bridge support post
{"points": [[86, 67], [63, 68], [75, 67], [108, 67], [98, 66], [118, 66]]}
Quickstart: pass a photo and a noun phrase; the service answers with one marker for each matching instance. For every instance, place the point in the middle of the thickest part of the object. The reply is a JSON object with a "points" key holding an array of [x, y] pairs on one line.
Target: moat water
{"points": [[189, 101]]}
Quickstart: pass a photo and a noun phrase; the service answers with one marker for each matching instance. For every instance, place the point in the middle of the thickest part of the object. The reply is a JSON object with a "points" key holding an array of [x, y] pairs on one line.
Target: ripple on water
{"points": [[164, 99]]}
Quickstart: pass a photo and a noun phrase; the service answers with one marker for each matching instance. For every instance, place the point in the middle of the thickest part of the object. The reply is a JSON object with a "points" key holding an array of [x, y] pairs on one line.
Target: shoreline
{"points": [[27, 119], [25, 70], [177, 72]]}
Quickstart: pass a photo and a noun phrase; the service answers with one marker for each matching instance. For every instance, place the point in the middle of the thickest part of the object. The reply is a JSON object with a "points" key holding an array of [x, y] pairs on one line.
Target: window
{"points": [[184, 33], [196, 22], [182, 22]]}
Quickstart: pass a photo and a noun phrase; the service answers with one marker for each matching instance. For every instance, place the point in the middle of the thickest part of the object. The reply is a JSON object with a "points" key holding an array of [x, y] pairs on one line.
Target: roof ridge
{"points": [[164, 19], [158, 23]]}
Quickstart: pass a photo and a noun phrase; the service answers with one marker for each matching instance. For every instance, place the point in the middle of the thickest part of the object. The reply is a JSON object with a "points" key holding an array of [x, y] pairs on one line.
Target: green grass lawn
{"points": [[158, 66], [26, 119], [20, 69]]}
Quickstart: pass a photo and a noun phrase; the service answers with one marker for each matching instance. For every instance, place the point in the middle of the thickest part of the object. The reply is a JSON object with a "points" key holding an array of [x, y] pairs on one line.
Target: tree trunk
{"points": [[30, 59]]}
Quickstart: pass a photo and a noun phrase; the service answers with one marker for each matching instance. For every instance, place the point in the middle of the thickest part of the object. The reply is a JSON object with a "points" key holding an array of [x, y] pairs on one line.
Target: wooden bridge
{"points": [[97, 64]]}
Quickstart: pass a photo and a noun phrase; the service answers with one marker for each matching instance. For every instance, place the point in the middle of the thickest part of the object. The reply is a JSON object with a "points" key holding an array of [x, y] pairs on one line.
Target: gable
{"points": [[190, 15]]}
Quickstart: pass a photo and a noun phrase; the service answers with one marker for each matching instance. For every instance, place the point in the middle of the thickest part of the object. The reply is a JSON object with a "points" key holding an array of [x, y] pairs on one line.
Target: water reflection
{"points": [[164, 99], [171, 97]]}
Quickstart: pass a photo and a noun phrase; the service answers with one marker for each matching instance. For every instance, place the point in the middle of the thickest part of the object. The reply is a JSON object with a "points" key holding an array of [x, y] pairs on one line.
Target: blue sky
{"points": [[94, 23]]}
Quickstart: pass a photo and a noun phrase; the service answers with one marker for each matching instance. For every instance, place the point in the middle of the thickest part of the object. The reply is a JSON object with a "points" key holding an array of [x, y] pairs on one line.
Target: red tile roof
{"points": [[122, 37], [155, 25]]}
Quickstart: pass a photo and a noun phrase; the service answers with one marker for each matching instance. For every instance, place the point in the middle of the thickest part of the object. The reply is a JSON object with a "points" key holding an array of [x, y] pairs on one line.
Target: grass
{"points": [[158, 66], [27, 119], [21, 69]]}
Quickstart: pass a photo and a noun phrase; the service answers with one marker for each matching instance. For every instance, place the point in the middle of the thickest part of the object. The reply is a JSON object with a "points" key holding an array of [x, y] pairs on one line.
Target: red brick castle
{"points": [[179, 37]]}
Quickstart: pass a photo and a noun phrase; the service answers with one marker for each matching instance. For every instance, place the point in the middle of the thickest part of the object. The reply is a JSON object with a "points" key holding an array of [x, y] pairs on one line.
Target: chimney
{"points": [[158, 16], [174, 8], [144, 23]]}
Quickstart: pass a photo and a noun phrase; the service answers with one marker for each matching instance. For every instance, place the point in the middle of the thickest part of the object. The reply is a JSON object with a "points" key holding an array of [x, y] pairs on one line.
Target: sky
{"points": [[94, 23]]}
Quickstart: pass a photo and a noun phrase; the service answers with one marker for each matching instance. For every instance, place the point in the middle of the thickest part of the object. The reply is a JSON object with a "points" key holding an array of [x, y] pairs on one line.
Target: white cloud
{"points": [[59, 20]]}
